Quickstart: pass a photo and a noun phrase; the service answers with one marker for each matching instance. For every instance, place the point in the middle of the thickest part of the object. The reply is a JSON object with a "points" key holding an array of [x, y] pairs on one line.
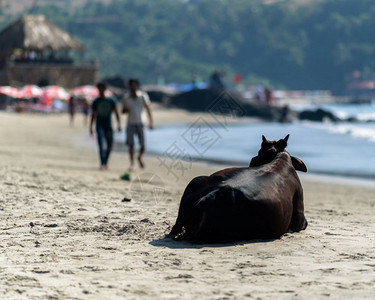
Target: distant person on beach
{"points": [[72, 103], [194, 80], [102, 109], [268, 95], [85, 110], [216, 81], [285, 114], [133, 104], [258, 93]]}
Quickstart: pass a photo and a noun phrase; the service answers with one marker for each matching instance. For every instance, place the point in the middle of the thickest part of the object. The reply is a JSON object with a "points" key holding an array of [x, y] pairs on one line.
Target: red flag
{"points": [[237, 78]]}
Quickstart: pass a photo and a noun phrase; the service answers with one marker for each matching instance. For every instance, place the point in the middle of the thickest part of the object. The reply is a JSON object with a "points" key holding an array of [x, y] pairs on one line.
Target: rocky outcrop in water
{"points": [[318, 115], [224, 102]]}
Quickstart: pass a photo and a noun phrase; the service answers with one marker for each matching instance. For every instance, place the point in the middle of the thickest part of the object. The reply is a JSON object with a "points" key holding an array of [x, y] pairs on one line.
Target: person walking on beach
{"points": [[268, 95], [72, 103], [134, 102], [102, 109], [85, 110]]}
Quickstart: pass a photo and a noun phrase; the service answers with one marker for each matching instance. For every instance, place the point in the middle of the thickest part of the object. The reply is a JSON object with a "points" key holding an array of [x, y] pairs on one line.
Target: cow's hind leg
{"points": [[183, 235], [176, 229], [194, 228]]}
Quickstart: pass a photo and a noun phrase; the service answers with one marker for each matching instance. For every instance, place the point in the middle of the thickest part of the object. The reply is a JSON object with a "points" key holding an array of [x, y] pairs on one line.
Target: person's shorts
{"points": [[131, 131]]}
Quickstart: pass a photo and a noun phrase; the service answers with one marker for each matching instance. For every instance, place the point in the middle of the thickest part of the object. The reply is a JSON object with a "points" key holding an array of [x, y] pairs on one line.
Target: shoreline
{"points": [[168, 121], [324, 177]]}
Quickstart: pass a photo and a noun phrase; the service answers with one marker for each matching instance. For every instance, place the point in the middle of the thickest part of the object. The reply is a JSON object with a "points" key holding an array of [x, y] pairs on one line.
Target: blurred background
{"points": [[290, 44], [305, 67]]}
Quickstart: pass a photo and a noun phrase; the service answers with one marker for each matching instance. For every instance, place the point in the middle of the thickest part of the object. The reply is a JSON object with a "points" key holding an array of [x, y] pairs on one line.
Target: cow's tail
{"points": [[209, 213], [201, 212], [178, 230]]}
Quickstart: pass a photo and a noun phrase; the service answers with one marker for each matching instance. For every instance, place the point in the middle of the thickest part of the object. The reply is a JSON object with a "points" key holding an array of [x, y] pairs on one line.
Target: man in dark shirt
{"points": [[102, 109]]}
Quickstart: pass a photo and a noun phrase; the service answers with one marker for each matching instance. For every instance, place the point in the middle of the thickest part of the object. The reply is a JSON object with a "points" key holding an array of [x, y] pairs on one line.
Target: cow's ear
{"points": [[298, 164], [255, 162], [264, 139], [286, 139]]}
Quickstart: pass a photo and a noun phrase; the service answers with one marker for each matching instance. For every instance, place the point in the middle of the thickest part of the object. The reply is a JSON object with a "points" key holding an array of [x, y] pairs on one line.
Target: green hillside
{"points": [[316, 45]]}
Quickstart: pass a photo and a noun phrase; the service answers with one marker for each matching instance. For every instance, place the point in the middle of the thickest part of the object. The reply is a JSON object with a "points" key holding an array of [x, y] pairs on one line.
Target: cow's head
{"points": [[269, 150]]}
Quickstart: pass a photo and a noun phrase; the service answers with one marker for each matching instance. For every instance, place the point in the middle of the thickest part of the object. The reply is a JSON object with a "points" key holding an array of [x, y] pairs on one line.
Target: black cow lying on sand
{"points": [[262, 201]]}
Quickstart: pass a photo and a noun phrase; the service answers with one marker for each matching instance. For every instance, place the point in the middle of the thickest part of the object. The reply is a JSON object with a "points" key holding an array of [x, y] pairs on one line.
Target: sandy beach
{"points": [[67, 233]]}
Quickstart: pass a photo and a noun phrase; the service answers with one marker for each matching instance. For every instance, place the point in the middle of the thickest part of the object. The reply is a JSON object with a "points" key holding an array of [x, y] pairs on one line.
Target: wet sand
{"points": [[66, 232]]}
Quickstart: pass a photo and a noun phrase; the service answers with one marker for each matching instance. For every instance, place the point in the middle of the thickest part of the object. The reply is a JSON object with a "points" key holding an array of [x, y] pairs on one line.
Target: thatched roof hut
{"points": [[36, 33], [35, 51]]}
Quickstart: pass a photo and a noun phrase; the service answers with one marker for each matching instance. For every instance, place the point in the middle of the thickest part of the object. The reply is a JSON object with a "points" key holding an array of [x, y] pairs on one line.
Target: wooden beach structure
{"points": [[33, 50]]}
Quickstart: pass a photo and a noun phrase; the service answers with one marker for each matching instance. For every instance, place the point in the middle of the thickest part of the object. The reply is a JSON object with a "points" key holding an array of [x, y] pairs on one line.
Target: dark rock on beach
{"points": [[159, 94], [218, 101], [318, 115]]}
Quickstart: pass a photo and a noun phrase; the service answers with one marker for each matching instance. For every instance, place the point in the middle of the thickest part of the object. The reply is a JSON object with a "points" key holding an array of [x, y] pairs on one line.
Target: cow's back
{"points": [[250, 203]]}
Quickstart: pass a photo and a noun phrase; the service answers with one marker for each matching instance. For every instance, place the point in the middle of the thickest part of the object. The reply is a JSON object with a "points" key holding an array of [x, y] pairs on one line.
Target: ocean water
{"points": [[346, 149]]}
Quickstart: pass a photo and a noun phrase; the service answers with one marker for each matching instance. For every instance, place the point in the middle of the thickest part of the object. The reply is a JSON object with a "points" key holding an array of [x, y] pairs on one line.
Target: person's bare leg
{"points": [[131, 155], [71, 120], [140, 160]]}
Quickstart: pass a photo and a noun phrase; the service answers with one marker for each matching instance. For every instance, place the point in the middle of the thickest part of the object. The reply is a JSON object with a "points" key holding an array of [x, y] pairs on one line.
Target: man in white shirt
{"points": [[134, 102]]}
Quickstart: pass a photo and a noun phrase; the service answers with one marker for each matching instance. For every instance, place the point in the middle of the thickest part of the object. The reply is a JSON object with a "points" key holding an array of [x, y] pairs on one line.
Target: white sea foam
{"points": [[366, 116], [364, 131], [355, 131]]}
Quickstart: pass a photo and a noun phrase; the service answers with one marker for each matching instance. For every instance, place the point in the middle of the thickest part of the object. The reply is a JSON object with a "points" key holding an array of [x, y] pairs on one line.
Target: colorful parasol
{"points": [[10, 91], [56, 92], [89, 92], [30, 91]]}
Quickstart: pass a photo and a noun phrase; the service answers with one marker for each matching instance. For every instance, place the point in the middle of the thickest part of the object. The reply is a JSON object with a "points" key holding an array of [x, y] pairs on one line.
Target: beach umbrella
{"points": [[10, 91], [56, 92], [30, 91], [45, 99], [89, 92]]}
